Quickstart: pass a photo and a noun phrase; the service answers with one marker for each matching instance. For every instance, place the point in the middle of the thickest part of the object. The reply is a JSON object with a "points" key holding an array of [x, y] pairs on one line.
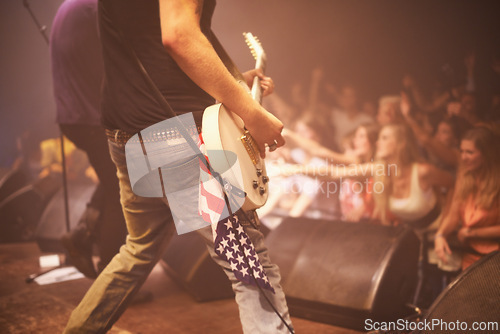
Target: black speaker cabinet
{"points": [[343, 273], [11, 180], [20, 211], [473, 297], [189, 264]]}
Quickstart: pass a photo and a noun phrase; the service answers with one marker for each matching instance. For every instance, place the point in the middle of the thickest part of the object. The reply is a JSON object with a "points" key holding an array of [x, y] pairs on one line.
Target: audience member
{"points": [[77, 71], [388, 111], [440, 144], [409, 184], [347, 116], [464, 108], [449, 85], [475, 209]]}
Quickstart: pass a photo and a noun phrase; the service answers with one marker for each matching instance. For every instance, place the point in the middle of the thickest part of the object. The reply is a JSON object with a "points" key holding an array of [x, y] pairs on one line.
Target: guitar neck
{"points": [[256, 88], [260, 63]]}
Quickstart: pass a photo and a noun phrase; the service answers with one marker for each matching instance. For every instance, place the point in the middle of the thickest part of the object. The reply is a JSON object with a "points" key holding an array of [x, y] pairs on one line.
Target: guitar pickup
{"points": [[250, 146]]}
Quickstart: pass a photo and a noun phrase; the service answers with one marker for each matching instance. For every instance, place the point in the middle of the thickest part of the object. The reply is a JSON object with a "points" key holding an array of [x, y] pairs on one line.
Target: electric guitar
{"points": [[227, 142]]}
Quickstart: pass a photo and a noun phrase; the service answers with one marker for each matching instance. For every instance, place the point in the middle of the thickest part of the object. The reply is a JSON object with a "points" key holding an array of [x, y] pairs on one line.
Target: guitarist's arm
{"points": [[184, 41]]}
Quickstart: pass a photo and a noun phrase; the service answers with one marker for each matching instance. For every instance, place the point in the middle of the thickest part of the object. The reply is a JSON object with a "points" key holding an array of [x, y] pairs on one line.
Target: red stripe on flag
{"points": [[203, 166], [206, 217], [214, 202]]}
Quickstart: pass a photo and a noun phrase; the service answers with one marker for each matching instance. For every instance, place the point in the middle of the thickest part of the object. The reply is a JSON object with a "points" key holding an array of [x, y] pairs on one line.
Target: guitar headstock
{"points": [[255, 47]]}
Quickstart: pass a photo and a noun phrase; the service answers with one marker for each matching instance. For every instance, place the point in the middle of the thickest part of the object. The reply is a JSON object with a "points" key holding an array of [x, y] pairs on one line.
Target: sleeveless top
{"points": [[417, 205], [473, 216]]}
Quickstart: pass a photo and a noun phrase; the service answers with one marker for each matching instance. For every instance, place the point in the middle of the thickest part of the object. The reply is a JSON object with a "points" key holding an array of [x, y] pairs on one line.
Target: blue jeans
{"points": [[150, 226]]}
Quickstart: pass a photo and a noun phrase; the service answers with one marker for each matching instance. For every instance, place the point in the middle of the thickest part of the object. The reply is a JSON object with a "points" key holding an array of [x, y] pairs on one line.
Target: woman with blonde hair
{"points": [[409, 183], [475, 209], [403, 187]]}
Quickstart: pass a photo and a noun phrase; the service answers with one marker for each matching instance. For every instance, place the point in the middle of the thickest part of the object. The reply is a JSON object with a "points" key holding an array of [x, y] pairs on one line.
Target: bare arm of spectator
{"points": [[421, 101], [431, 176], [316, 76], [301, 204], [336, 172], [450, 223], [470, 65], [489, 232], [448, 155], [316, 149]]}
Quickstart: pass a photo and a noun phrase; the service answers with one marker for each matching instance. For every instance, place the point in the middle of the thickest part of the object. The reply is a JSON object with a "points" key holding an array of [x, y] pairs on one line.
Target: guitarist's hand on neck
{"points": [[266, 83]]}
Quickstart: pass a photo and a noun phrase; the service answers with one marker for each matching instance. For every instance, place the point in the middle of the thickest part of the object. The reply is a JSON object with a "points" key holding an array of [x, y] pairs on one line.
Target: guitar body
{"points": [[231, 150]]}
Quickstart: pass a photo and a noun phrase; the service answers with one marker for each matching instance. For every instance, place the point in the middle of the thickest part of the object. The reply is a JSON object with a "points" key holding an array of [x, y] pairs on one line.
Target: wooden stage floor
{"points": [[44, 309]]}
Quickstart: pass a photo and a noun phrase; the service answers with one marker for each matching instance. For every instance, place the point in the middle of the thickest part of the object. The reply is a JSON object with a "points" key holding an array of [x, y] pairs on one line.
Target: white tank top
{"points": [[418, 204]]}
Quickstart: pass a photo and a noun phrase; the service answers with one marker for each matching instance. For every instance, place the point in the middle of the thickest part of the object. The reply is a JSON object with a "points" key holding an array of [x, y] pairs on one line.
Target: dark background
{"points": [[368, 43]]}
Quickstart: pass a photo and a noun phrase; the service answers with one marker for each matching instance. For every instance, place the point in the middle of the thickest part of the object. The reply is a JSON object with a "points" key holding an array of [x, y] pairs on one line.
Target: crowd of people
{"points": [[424, 161]]}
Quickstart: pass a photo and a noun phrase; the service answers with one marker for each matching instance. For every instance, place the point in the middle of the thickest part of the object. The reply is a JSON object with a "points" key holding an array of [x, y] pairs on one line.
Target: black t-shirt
{"points": [[127, 101]]}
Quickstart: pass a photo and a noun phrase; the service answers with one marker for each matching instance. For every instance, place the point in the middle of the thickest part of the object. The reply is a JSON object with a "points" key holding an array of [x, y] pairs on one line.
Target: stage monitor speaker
{"points": [[52, 224], [11, 180], [20, 211], [473, 297], [344, 273], [19, 214], [189, 264]]}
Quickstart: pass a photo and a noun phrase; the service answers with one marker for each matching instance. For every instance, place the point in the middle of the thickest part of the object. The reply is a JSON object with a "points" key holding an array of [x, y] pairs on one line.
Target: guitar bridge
{"points": [[250, 146]]}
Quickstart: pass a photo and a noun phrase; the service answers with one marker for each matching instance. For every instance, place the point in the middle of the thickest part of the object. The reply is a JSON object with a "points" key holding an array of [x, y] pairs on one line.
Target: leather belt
{"points": [[118, 136]]}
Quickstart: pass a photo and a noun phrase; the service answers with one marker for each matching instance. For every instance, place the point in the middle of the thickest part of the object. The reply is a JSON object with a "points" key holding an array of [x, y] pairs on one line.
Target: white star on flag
{"points": [[242, 257]]}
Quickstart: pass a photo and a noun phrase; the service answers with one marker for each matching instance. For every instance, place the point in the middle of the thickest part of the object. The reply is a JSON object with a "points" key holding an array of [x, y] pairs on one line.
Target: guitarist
{"points": [[174, 42]]}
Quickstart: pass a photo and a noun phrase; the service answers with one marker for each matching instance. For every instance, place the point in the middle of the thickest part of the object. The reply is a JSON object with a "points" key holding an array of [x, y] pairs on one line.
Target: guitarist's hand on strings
{"points": [[265, 129], [266, 83]]}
